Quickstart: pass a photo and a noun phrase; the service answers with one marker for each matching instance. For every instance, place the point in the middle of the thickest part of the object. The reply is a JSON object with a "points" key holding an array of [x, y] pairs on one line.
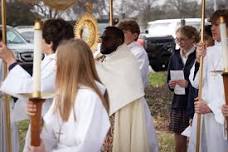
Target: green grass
{"points": [[157, 79], [22, 128], [166, 141]]}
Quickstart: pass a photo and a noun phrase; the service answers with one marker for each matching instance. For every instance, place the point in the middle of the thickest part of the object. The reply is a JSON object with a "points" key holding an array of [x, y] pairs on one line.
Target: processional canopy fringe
{"points": [[59, 4]]}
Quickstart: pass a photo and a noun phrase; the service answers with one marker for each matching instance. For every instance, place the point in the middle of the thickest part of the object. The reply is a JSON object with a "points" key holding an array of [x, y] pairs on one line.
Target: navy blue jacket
{"points": [[175, 63]]}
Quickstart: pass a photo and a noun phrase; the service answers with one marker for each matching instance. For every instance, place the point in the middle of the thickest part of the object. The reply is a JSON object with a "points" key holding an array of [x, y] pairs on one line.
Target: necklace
{"points": [[59, 132]]}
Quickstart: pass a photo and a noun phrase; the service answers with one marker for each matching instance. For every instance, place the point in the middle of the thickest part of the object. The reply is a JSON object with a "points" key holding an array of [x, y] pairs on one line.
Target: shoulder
{"points": [[212, 52], [87, 96], [137, 49], [175, 54], [88, 100], [86, 92]]}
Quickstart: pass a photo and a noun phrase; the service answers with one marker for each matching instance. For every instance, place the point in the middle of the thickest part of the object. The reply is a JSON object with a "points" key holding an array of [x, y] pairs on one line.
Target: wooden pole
{"points": [[225, 81], [223, 35], [36, 122], [6, 98], [111, 12], [198, 123]]}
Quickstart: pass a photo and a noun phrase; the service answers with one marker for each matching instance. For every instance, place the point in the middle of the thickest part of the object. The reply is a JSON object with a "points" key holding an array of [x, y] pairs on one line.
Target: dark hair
{"points": [[217, 14], [190, 32], [56, 30], [118, 33]]}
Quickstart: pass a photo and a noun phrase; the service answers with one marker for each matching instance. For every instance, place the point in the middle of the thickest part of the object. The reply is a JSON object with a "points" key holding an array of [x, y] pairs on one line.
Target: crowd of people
{"points": [[99, 103]]}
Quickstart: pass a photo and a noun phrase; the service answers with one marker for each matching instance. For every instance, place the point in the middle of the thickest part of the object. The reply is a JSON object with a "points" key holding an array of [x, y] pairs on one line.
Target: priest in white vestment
{"points": [[132, 127], [213, 138]]}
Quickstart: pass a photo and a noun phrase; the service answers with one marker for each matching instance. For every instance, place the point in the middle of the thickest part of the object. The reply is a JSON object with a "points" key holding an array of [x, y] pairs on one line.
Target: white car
{"points": [[27, 32], [22, 49], [168, 27]]}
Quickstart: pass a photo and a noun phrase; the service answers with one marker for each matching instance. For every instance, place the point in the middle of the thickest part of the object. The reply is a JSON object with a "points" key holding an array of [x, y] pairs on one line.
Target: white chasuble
{"points": [[133, 126], [85, 130], [120, 74], [213, 93]]}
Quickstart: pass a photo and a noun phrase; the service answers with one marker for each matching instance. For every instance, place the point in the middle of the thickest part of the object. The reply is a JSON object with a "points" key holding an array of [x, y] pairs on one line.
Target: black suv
{"points": [[159, 50]]}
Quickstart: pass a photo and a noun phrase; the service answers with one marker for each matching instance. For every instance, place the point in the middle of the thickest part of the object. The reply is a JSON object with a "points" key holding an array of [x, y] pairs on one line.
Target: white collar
{"points": [[188, 53], [132, 44], [218, 43], [50, 56], [119, 48]]}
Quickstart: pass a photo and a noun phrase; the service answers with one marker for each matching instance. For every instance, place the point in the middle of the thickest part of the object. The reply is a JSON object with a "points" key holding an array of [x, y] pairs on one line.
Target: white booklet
{"points": [[177, 75], [187, 131]]}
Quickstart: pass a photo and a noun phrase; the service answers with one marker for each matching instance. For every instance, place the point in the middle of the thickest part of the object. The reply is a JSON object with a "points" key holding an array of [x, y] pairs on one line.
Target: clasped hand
{"points": [[181, 83]]}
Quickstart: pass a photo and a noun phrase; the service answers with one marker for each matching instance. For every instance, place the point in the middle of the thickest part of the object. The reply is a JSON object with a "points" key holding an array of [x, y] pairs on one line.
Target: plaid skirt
{"points": [[179, 121]]}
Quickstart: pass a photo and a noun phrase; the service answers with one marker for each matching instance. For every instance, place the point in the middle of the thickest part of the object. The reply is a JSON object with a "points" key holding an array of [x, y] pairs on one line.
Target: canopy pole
{"points": [[198, 125], [111, 12], [6, 99]]}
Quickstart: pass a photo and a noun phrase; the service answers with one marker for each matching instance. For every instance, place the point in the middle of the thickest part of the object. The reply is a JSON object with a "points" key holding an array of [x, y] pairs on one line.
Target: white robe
{"points": [[86, 129], [142, 58], [120, 74], [14, 129], [19, 81], [213, 93]]}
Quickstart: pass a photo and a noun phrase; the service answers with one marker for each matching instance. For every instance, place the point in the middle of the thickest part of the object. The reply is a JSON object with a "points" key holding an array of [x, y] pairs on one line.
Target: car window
{"points": [[28, 35], [14, 38]]}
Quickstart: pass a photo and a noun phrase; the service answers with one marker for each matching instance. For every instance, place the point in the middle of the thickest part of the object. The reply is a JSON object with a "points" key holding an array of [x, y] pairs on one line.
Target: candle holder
{"points": [[36, 121], [225, 81]]}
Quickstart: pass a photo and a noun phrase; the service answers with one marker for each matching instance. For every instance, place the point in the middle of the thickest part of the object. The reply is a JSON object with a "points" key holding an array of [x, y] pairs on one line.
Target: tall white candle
{"points": [[37, 57]]}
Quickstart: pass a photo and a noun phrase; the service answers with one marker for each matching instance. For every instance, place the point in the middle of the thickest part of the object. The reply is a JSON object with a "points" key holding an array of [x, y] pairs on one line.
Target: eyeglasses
{"points": [[182, 39]]}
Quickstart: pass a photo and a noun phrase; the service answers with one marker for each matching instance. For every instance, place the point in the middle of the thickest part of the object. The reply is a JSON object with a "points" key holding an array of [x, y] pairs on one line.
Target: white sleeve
{"points": [[143, 61], [20, 81], [17, 81], [194, 80], [93, 125]]}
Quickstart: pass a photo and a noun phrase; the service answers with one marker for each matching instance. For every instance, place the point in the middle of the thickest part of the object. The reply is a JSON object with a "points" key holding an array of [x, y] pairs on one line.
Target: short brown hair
{"points": [[129, 25], [190, 32], [217, 14]]}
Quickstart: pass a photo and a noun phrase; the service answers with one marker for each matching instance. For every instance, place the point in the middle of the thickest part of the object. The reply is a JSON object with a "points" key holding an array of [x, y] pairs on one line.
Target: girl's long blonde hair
{"points": [[75, 66]]}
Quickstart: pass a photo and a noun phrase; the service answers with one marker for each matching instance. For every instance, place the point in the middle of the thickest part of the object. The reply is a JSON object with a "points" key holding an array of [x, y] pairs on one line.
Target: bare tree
{"points": [[41, 9], [184, 8]]}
